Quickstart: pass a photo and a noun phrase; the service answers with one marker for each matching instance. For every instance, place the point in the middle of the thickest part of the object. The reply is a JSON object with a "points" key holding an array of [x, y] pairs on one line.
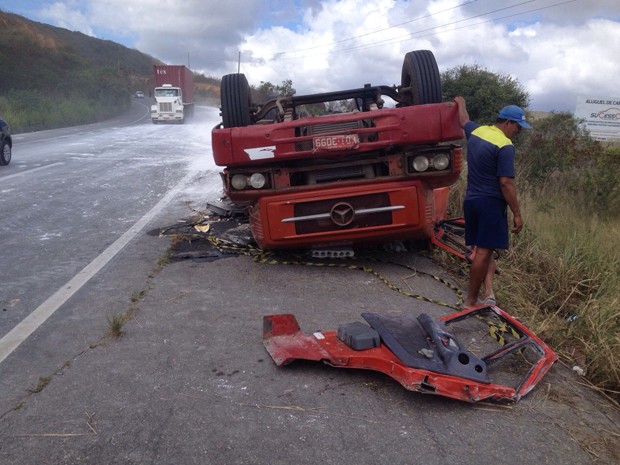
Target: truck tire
{"points": [[420, 76], [236, 103], [5, 153]]}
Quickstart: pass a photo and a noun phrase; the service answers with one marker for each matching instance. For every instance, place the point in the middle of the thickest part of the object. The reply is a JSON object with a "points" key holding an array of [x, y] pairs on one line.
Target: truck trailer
{"points": [[174, 94]]}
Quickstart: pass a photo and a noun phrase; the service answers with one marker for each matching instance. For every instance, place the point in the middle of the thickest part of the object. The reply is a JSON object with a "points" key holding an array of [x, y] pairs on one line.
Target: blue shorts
{"points": [[486, 222]]}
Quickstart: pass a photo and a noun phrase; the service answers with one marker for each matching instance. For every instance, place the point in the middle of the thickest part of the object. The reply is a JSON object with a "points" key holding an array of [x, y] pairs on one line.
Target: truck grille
{"points": [[165, 107], [337, 174], [305, 133], [323, 208], [336, 128]]}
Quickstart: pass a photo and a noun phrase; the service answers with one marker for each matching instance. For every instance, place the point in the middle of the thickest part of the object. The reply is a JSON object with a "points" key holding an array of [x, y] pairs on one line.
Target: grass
{"points": [[115, 325], [561, 278], [43, 382], [561, 275], [117, 321], [31, 111]]}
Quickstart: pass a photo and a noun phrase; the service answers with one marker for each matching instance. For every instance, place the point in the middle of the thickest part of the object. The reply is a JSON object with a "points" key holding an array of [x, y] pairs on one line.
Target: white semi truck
{"points": [[174, 94]]}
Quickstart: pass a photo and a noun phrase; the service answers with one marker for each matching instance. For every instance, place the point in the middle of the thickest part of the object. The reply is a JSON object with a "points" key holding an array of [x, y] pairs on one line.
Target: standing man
{"points": [[490, 188]]}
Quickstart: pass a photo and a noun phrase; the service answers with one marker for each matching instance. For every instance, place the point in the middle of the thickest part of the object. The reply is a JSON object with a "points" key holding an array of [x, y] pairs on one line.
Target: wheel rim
{"points": [[6, 154]]}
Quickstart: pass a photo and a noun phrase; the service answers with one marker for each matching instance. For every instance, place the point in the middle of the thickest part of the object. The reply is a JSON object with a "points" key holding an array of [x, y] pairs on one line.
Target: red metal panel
{"points": [[271, 232], [286, 343], [422, 124]]}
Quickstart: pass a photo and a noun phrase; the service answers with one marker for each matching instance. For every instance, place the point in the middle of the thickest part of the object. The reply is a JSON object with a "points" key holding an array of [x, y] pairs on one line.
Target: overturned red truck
{"points": [[365, 173]]}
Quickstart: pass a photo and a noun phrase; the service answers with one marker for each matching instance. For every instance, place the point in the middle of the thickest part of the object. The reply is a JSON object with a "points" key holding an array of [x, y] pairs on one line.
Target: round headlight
{"points": [[239, 181], [257, 180], [420, 163], [441, 161]]}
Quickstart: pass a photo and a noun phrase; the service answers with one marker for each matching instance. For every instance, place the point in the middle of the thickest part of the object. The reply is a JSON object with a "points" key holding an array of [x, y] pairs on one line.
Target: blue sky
{"points": [[557, 49]]}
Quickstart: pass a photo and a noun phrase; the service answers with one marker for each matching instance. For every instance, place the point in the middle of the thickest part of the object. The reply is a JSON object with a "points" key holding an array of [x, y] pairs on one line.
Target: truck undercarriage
{"points": [[366, 175]]}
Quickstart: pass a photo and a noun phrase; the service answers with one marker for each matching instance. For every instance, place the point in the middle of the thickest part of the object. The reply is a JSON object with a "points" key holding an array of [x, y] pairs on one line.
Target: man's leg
{"points": [[489, 293], [477, 274]]}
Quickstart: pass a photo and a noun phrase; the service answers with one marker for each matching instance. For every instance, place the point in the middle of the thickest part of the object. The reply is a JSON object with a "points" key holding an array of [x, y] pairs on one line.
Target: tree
{"points": [[267, 90], [559, 157], [484, 91]]}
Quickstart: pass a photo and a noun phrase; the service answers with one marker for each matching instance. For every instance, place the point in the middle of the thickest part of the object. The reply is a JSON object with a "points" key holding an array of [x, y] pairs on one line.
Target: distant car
{"points": [[6, 143], [139, 94]]}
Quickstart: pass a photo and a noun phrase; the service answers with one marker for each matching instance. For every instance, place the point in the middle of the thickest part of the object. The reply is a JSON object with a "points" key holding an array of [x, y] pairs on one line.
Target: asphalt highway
{"points": [[189, 380]]}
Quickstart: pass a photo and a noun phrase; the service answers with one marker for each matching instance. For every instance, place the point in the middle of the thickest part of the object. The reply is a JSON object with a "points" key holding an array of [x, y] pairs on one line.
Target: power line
{"points": [[414, 35], [379, 30]]}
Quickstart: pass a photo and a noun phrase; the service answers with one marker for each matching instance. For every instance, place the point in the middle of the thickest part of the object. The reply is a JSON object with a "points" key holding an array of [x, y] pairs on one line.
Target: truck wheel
{"points": [[420, 78], [236, 104], [5, 153]]}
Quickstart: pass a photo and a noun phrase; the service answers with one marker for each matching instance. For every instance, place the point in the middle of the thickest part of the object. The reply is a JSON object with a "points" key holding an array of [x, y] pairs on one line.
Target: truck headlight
{"points": [[420, 163], [441, 161], [257, 180], [239, 181]]}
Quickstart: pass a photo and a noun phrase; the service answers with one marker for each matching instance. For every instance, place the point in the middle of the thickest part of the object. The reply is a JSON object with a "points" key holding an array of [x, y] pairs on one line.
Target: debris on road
{"points": [[422, 355]]}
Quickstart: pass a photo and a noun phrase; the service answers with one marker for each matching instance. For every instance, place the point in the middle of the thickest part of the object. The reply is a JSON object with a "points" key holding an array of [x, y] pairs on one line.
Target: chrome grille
{"points": [[338, 128], [322, 222]]}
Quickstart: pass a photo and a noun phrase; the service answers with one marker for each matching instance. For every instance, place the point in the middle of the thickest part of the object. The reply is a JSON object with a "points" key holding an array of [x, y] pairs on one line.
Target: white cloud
{"points": [[557, 49], [67, 15]]}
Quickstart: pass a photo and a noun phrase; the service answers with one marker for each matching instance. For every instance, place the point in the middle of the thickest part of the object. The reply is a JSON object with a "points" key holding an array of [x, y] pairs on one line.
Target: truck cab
{"points": [[341, 168], [174, 94], [168, 104]]}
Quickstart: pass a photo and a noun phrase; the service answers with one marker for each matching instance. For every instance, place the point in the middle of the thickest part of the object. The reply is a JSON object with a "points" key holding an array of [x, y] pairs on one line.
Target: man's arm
{"points": [[509, 191], [462, 110]]}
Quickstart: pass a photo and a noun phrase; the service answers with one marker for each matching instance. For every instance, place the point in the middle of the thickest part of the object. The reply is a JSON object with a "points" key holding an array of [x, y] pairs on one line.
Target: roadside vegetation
{"points": [[51, 77], [561, 275]]}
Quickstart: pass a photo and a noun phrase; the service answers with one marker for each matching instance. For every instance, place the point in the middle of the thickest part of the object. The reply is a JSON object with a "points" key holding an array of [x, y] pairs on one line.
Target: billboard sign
{"points": [[601, 117]]}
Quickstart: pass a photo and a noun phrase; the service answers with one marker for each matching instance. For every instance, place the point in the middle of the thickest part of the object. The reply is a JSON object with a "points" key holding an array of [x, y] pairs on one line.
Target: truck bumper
{"points": [[405, 210], [500, 372], [167, 118]]}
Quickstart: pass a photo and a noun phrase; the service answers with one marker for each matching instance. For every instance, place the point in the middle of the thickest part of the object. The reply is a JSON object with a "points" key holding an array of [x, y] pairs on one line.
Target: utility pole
{"points": [[239, 63]]}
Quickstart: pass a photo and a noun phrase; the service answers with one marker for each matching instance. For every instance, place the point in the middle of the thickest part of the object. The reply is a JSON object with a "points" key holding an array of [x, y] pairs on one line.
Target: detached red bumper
{"points": [[423, 356]]}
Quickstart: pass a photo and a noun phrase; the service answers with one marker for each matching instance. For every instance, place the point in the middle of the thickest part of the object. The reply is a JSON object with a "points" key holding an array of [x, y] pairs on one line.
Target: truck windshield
{"points": [[166, 92]]}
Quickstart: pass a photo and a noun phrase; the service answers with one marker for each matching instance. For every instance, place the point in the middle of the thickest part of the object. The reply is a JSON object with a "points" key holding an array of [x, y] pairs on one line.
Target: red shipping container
{"points": [[176, 76]]}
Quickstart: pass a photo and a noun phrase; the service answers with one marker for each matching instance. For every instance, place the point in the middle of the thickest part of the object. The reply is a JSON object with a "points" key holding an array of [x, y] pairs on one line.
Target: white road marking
{"points": [[21, 173], [28, 325]]}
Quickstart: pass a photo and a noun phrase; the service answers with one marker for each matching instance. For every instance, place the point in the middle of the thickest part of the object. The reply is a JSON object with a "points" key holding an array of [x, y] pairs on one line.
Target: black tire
{"points": [[5, 153], [236, 103], [421, 77]]}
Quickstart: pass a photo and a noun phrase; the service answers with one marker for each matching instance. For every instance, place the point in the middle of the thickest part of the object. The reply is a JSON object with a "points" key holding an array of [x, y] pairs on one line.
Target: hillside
{"points": [[51, 77], [39, 56]]}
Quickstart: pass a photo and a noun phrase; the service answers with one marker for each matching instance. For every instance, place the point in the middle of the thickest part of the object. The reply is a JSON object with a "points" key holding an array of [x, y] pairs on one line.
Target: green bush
{"points": [[485, 92], [559, 159], [89, 96]]}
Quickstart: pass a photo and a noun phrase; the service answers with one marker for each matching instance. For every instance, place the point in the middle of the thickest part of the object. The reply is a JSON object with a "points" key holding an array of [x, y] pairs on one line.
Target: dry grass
{"points": [[561, 276]]}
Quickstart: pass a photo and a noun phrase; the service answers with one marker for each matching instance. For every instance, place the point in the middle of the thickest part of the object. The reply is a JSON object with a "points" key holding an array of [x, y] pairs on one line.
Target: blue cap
{"points": [[514, 113]]}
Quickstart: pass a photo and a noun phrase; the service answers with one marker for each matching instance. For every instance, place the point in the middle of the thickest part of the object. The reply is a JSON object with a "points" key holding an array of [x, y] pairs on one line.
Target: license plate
{"points": [[336, 142]]}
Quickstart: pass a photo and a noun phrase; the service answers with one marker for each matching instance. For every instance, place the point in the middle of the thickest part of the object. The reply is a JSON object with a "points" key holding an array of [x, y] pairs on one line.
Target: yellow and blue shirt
{"points": [[490, 154]]}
